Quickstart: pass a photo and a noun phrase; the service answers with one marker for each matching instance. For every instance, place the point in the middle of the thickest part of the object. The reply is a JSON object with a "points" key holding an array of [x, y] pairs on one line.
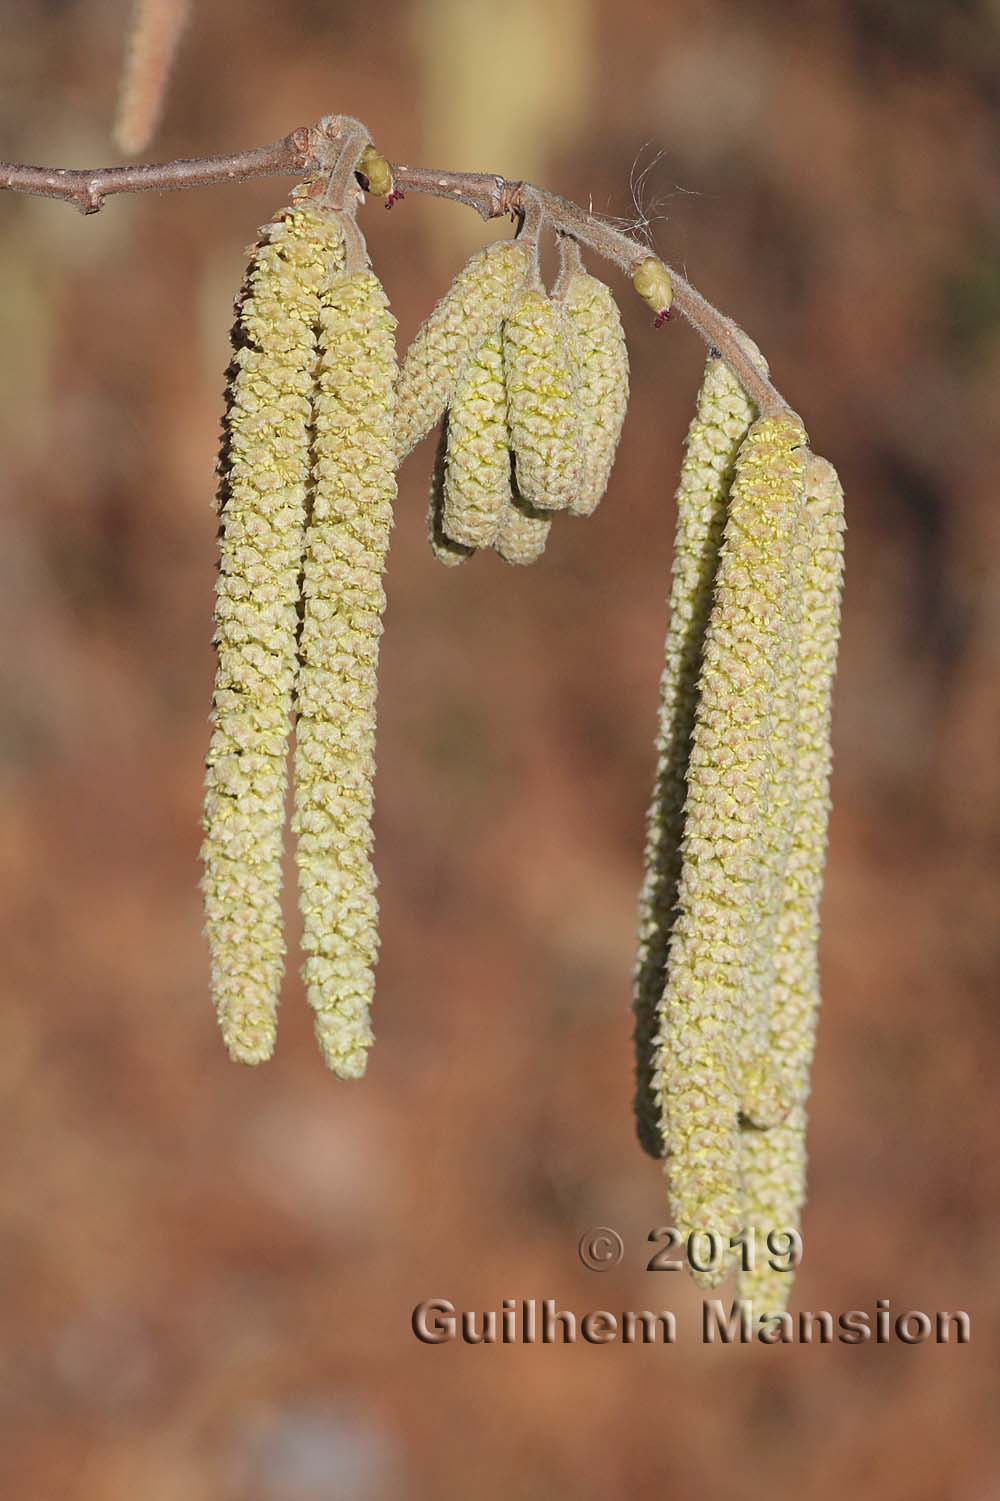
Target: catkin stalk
{"points": [[264, 472], [471, 310], [708, 982], [722, 418], [347, 540], [542, 411], [600, 359]]}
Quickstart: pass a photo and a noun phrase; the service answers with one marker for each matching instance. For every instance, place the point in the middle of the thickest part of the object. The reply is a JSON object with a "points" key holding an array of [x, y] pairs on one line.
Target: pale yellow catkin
{"points": [[708, 982], [476, 483], [474, 306], [522, 532], [264, 476], [447, 552], [764, 1100], [155, 32], [600, 359], [343, 601], [795, 994], [543, 415], [722, 418], [774, 1161]]}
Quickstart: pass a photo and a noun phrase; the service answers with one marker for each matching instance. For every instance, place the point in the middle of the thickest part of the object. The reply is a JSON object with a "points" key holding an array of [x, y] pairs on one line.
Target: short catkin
{"points": [[477, 465], [473, 307], [708, 978], [343, 601], [542, 410], [774, 1161], [264, 473], [600, 358], [522, 531], [722, 418], [447, 552]]}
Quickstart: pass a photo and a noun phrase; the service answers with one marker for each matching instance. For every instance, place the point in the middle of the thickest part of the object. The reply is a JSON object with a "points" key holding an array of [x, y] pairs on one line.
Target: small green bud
{"points": [[373, 166], [651, 280]]}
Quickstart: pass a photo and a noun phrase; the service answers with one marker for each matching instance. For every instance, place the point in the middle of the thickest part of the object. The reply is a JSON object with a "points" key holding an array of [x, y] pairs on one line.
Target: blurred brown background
{"points": [[206, 1274]]}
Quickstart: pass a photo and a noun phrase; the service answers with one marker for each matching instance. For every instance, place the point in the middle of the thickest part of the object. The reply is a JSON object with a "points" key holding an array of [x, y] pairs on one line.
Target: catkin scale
{"points": [[600, 359], [473, 307], [343, 601], [542, 412], [696, 1067], [264, 473], [722, 418]]}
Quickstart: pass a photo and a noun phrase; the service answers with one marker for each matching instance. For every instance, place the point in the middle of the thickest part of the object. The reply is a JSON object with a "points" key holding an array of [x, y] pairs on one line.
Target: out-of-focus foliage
{"points": [[207, 1272]]}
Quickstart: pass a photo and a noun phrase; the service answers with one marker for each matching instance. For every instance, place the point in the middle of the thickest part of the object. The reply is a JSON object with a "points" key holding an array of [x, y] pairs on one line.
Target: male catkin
{"points": [[347, 540], [522, 531], [473, 307], [707, 985], [795, 994], [722, 418], [264, 473], [477, 464], [447, 552], [600, 358], [774, 1161], [542, 411]]}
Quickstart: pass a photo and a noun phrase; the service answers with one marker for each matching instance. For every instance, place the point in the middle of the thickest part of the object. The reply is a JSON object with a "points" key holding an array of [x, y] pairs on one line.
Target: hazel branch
{"points": [[316, 148]]}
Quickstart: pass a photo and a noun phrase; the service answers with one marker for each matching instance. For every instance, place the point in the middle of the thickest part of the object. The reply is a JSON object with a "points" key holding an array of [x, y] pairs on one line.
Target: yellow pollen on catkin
{"points": [[774, 1161], [477, 466], [542, 411], [474, 306], [343, 601], [651, 280], [722, 418], [709, 974], [601, 370], [264, 473]]}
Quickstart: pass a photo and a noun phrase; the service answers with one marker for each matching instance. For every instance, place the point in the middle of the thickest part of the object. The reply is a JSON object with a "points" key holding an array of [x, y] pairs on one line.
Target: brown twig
{"points": [[316, 148]]}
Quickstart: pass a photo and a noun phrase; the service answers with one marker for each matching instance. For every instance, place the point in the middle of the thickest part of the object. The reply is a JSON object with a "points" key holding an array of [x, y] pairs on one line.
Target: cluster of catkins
{"points": [[530, 388], [726, 986]]}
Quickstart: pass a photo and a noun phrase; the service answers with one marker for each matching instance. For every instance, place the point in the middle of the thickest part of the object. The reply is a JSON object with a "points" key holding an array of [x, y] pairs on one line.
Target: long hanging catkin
{"points": [[774, 1161], [264, 473], [722, 418], [542, 411], [473, 307], [346, 544], [597, 341], [708, 981]]}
